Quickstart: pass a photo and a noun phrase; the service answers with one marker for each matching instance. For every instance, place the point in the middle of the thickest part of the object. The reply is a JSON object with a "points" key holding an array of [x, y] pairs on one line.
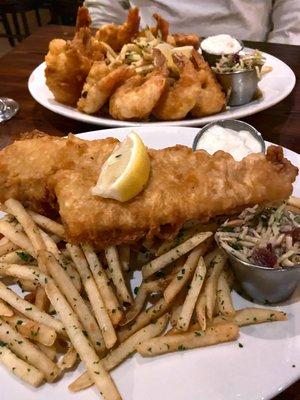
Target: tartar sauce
{"points": [[221, 44], [238, 143]]}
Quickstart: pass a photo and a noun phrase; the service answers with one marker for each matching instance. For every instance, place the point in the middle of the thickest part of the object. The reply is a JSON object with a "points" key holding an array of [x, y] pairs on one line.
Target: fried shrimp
{"points": [[68, 64], [118, 35], [162, 26], [211, 99], [178, 99], [181, 39], [136, 98], [100, 83]]}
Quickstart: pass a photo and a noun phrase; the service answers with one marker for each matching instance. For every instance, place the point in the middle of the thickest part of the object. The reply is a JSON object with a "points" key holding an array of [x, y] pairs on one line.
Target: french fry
{"points": [[68, 360], [33, 233], [7, 247], [250, 316], [115, 270], [51, 246], [5, 266], [120, 353], [27, 351], [224, 300], [124, 254], [173, 254], [189, 304], [36, 242], [41, 300], [27, 286], [143, 319], [49, 351], [110, 300], [19, 239], [5, 310], [75, 300], [20, 368], [17, 257], [189, 340], [87, 354], [94, 296], [32, 330], [30, 228], [4, 239], [47, 224], [201, 310], [185, 273], [28, 309], [212, 282], [144, 290]]}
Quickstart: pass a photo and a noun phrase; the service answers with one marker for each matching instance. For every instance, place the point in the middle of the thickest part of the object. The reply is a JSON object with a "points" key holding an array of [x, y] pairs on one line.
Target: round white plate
{"points": [[275, 86], [257, 371]]}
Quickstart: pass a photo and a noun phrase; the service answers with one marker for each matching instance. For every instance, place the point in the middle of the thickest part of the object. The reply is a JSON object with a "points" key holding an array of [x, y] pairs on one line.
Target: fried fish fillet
{"points": [[183, 185], [26, 165]]}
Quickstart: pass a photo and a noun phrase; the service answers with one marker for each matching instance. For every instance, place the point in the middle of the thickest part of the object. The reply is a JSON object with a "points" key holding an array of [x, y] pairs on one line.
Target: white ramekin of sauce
{"points": [[213, 47], [232, 136]]}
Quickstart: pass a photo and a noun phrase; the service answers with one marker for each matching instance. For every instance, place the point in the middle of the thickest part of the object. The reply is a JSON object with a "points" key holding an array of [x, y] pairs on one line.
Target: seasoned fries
{"points": [[87, 354], [29, 310], [94, 296], [126, 348], [19, 239], [20, 368], [110, 300], [250, 316], [32, 330], [224, 300], [173, 254], [47, 224], [27, 351], [29, 226], [75, 300], [185, 315], [5, 310], [115, 271], [97, 321], [189, 340], [212, 282], [68, 360]]}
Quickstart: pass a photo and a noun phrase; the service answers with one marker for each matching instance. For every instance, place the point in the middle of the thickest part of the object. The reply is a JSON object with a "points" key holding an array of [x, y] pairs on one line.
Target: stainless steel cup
{"points": [[242, 86], [265, 285]]}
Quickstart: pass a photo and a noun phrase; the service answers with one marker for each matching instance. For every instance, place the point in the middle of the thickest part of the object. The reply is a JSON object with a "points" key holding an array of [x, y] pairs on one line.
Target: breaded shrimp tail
{"points": [[118, 35], [83, 19]]}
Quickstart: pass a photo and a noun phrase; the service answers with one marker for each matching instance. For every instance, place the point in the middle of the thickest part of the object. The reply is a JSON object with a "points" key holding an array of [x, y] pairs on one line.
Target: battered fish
{"points": [[183, 185]]}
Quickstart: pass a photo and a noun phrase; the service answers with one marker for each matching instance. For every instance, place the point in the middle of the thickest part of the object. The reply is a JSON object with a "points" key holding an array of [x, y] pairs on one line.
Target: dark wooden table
{"points": [[279, 124]]}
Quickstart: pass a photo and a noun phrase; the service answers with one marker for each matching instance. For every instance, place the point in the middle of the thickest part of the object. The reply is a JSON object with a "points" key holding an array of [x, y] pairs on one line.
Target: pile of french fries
{"points": [[77, 304]]}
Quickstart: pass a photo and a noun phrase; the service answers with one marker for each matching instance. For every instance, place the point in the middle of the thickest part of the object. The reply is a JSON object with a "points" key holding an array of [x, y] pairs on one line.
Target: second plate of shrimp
{"points": [[124, 75]]}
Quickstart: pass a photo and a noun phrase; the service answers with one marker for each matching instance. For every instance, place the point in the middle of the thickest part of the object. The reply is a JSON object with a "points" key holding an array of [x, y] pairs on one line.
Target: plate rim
{"points": [[100, 121]]}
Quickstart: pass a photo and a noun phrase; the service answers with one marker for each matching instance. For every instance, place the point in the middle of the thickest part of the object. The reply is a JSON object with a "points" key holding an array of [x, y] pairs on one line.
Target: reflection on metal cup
{"points": [[241, 85]]}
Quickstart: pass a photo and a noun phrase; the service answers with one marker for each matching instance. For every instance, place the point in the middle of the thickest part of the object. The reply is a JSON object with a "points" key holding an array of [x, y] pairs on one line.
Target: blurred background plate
{"points": [[275, 86]]}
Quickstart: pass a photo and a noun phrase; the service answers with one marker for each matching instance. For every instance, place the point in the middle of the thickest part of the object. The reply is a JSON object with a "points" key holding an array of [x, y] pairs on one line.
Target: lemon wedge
{"points": [[126, 171]]}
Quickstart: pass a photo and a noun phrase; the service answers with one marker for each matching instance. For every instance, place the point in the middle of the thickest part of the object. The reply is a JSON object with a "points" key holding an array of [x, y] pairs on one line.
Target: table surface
{"points": [[279, 124]]}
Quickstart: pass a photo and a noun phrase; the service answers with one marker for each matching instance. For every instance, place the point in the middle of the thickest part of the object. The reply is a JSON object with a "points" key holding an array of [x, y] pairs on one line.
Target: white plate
{"points": [[275, 86], [259, 370]]}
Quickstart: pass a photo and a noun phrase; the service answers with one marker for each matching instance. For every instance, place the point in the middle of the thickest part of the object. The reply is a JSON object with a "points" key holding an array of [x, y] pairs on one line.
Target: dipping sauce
{"points": [[238, 143], [221, 44]]}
